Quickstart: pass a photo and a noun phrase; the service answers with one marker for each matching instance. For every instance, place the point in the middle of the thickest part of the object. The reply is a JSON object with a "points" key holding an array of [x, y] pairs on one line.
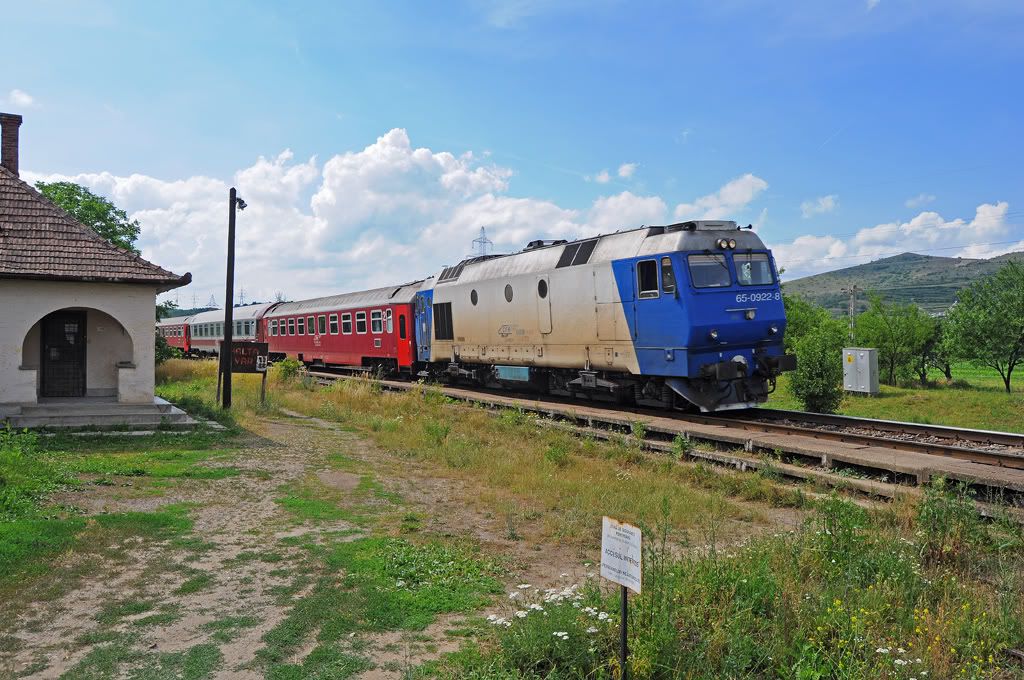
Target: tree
{"points": [[900, 332], [986, 325], [802, 316], [164, 309], [818, 379], [105, 218]]}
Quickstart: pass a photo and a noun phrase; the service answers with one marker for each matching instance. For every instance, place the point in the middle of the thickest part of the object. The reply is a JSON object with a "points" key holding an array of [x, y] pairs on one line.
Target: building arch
{"points": [[79, 351]]}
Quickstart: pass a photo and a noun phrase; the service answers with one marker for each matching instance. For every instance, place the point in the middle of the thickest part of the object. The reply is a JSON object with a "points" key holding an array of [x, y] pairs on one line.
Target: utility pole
{"points": [[852, 292], [229, 295]]}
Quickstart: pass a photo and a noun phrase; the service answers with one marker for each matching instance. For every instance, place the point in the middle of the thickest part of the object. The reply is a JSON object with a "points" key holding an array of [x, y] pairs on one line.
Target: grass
{"points": [[376, 584], [565, 482], [899, 593], [975, 399]]}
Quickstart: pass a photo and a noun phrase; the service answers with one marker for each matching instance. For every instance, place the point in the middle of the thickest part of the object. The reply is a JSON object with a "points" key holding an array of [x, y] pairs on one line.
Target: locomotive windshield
{"points": [[753, 269], [709, 271]]}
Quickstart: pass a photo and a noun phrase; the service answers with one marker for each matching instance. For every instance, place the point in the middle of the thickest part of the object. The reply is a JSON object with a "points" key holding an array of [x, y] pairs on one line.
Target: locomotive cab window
{"points": [[709, 271], [668, 276], [321, 325], [334, 324], [376, 321], [753, 269], [346, 324], [647, 278], [360, 322]]}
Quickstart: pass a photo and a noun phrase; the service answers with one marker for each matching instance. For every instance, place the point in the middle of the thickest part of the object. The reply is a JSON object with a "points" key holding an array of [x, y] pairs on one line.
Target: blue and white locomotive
{"points": [[664, 316]]}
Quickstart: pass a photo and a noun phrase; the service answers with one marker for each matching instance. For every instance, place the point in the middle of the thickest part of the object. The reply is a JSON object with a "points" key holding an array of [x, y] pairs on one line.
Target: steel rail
{"points": [[993, 458]]}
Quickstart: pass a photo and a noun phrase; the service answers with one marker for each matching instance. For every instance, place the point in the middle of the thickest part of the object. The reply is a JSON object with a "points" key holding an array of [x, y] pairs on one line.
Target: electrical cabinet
{"points": [[860, 370]]}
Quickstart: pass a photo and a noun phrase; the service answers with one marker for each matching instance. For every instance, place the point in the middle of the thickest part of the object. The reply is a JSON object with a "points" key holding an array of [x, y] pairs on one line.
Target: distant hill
{"points": [[931, 282]]}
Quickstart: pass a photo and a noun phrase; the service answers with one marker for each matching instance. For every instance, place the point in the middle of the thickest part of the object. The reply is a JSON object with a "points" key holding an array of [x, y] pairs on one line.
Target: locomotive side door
{"points": [[423, 324], [544, 304]]}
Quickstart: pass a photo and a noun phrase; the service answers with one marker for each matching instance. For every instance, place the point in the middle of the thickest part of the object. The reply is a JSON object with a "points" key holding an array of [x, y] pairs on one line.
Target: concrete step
{"points": [[100, 414], [107, 420], [102, 408]]}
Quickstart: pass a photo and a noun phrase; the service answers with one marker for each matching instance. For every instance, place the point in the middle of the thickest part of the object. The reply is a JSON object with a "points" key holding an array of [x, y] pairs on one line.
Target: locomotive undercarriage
{"points": [[720, 389]]}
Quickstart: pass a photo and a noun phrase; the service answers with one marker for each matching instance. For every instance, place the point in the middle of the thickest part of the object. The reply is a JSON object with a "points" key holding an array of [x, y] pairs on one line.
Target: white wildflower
{"points": [[591, 630], [602, 616], [521, 614], [882, 650]]}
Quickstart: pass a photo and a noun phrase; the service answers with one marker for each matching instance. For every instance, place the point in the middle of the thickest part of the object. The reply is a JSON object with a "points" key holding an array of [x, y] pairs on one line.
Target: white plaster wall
{"points": [[24, 303]]}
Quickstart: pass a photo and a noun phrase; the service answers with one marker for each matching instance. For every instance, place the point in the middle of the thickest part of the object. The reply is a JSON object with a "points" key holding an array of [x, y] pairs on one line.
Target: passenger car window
{"points": [[302, 326], [334, 324], [709, 271], [389, 323], [753, 269], [668, 277], [321, 325], [273, 327], [346, 324], [291, 326], [647, 278], [376, 321], [360, 322], [311, 325]]}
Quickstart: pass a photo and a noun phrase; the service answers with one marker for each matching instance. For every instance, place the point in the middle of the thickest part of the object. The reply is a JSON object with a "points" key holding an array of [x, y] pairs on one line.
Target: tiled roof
{"points": [[38, 240]]}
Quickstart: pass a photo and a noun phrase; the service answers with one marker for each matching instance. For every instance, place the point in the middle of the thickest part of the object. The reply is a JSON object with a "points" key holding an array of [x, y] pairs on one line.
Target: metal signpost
{"points": [[621, 555]]}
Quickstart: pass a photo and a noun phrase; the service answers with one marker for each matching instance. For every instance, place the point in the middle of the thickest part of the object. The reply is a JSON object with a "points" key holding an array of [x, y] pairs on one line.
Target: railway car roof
{"points": [[239, 314], [174, 321], [389, 295], [687, 236]]}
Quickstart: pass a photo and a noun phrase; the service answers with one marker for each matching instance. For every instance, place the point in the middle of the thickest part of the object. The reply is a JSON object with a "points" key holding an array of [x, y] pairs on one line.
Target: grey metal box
{"points": [[860, 370]]}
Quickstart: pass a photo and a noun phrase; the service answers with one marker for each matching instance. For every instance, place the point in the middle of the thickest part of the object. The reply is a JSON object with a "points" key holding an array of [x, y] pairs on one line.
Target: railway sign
{"points": [[249, 357], [621, 546]]}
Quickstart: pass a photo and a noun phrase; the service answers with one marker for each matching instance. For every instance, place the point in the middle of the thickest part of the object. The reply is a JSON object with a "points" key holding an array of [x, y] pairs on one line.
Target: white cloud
{"points": [[724, 203], [871, 4], [927, 232], [21, 98], [919, 200], [627, 170], [601, 178], [624, 211], [315, 228], [819, 206]]}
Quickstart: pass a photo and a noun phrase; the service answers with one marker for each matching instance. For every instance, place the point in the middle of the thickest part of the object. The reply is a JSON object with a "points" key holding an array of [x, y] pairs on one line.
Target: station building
{"points": [[77, 313]]}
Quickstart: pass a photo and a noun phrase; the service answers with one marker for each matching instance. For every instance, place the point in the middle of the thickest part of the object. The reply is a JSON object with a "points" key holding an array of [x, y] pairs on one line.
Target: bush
{"points": [[163, 351], [818, 380], [288, 368]]}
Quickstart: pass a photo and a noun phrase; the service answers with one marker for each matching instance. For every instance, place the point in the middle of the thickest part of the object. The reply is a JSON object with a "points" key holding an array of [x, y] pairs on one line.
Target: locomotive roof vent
{"points": [[541, 243], [702, 225]]}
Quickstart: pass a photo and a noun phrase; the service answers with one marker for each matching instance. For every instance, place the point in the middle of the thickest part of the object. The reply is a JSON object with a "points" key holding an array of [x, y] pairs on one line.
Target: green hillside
{"points": [[931, 282]]}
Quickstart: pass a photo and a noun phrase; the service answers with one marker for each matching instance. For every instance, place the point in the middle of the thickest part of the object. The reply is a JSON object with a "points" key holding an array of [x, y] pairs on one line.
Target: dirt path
{"points": [[240, 573]]}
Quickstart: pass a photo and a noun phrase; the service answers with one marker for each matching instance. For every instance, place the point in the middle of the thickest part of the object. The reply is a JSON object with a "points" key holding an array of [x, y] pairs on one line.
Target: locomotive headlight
{"points": [[732, 244], [773, 329], [713, 334], [723, 244]]}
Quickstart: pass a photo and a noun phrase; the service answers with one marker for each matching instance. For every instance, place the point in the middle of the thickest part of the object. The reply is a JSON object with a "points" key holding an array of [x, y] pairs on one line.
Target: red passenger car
{"points": [[175, 331], [372, 328]]}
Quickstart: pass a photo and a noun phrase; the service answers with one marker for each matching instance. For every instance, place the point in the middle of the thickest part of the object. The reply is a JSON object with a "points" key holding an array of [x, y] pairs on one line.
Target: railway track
{"points": [[876, 457]]}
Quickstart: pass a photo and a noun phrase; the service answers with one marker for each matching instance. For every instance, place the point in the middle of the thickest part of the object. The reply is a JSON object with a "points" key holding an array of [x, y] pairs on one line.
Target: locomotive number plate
{"points": [[758, 297]]}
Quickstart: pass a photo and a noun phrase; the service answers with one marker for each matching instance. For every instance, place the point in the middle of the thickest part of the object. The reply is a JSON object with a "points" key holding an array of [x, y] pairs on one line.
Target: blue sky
{"points": [[817, 121]]}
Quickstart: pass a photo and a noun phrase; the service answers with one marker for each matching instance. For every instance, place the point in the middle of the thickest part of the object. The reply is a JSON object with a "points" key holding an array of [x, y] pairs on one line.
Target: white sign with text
{"points": [[621, 546]]}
